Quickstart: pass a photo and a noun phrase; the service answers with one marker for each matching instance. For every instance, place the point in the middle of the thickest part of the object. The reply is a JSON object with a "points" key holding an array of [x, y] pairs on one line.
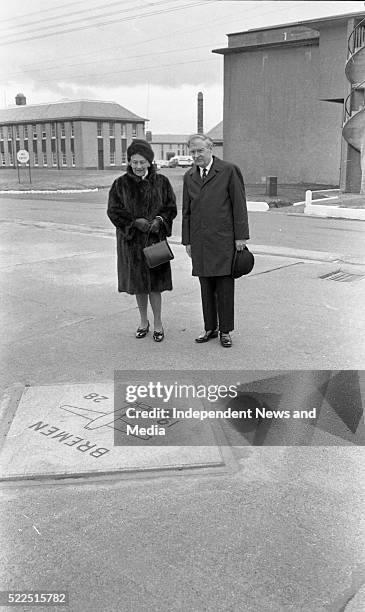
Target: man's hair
{"points": [[207, 141]]}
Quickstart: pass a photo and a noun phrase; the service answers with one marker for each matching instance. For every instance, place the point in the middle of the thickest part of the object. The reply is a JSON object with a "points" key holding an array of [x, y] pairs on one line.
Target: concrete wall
{"points": [[274, 123], [332, 59]]}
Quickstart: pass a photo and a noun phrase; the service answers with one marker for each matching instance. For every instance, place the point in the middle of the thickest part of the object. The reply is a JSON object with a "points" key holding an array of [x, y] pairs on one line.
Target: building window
{"points": [[44, 153], [63, 133], [112, 152], [1, 133], [99, 129], [17, 134], [63, 153], [35, 153], [73, 159], [123, 129], [11, 153], [53, 130], [2, 157], [10, 135], [134, 130], [53, 152], [25, 132], [124, 151], [34, 130], [72, 129], [44, 134], [111, 129]]}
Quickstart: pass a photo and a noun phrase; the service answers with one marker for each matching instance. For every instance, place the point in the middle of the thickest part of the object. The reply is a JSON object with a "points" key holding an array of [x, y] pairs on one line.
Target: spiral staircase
{"points": [[353, 129]]}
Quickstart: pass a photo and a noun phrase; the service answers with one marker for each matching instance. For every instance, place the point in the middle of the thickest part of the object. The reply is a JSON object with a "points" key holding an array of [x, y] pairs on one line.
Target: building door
{"points": [[100, 154]]}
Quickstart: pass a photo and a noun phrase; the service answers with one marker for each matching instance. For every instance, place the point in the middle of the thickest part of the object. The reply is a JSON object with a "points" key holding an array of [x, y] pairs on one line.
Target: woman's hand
{"points": [[155, 225], [142, 224]]}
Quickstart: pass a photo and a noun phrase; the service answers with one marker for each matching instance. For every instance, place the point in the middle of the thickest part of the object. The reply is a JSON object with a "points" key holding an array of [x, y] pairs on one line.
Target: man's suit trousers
{"points": [[217, 293]]}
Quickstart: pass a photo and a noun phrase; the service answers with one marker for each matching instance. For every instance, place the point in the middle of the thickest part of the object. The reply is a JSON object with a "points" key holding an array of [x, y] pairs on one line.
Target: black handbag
{"points": [[157, 253]]}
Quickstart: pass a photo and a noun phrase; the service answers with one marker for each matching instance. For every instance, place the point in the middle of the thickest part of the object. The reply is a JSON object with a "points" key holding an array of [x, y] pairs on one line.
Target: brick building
{"points": [[85, 134]]}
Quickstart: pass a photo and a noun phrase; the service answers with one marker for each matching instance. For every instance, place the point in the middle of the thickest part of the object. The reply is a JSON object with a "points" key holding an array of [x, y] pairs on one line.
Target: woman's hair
{"points": [[207, 141]]}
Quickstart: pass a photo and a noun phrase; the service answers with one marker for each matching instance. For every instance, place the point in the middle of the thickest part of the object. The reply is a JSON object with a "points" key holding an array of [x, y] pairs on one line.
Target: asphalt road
{"points": [[273, 228], [281, 529]]}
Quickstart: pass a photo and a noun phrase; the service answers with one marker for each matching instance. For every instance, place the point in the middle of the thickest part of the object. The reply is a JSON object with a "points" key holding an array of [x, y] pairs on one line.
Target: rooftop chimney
{"points": [[200, 129], [20, 99]]}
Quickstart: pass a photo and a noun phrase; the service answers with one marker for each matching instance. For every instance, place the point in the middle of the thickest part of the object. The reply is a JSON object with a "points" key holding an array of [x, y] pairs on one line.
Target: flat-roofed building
{"points": [[87, 134], [284, 93], [166, 146]]}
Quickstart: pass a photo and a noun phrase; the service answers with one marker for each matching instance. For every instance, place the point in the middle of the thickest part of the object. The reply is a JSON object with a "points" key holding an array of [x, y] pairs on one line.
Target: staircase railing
{"points": [[347, 105], [357, 37]]}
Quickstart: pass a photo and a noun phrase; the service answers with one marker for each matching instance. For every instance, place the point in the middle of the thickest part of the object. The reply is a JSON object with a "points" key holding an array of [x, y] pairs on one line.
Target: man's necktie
{"points": [[204, 174]]}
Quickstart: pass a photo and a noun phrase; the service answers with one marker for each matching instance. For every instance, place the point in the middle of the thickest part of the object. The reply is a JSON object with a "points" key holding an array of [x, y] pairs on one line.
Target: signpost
{"points": [[23, 158]]}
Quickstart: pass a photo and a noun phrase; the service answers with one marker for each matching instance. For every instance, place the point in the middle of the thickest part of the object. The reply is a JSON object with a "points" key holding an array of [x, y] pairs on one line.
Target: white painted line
{"points": [[47, 191]]}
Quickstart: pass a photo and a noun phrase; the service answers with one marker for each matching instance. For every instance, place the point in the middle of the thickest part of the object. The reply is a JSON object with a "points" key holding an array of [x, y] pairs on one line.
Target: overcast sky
{"points": [[152, 57]]}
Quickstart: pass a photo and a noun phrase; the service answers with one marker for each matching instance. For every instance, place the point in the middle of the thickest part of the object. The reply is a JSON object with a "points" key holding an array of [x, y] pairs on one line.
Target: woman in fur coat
{"points": [[141, 200]]}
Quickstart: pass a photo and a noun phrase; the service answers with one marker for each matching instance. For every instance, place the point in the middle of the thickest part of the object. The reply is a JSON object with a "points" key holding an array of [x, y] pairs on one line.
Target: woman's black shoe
{"points": [[158, 336], [204, 337], [143, 331]]}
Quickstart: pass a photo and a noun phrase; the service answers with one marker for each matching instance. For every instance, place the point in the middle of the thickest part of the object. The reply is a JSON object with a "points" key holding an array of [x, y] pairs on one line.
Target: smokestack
{"points": [[20, 99], [200, 129]]}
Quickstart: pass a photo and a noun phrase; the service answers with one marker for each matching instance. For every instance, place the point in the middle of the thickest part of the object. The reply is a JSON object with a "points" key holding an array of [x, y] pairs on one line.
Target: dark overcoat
{"points": [[131, 197], [214, 215]]}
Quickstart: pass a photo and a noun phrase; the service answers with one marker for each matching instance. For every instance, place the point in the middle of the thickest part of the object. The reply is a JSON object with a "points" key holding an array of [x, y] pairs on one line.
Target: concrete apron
{"points": [[62, 431]]}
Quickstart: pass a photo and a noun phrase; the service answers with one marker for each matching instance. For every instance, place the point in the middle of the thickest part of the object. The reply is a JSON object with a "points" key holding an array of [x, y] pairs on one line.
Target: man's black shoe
{"points": [[225, 339], [205, 336]]}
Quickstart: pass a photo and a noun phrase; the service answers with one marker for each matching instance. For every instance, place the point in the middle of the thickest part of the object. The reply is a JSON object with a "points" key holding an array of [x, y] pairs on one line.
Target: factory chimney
{"points": [[20, 99], [200, 129]]}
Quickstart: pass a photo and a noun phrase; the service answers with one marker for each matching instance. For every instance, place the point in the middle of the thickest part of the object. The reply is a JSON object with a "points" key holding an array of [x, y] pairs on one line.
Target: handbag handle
{"points": [[148, 237]]}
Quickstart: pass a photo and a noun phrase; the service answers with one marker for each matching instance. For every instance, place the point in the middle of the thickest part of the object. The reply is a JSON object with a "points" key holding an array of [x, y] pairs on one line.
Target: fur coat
{"points": [[131, 197]]}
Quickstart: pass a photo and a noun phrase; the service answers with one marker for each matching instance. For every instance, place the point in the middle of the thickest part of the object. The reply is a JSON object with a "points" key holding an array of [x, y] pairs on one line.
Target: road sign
{"points": [[22, 156]]}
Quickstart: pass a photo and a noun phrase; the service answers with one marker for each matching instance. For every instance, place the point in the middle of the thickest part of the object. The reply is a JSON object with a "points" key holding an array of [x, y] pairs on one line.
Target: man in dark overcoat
{"points": [[214, 224]]}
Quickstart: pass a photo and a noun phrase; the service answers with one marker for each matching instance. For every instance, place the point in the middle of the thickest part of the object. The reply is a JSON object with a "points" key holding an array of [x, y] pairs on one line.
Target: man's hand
{"points": [[240, 244], [142, 224], [188, 249]]}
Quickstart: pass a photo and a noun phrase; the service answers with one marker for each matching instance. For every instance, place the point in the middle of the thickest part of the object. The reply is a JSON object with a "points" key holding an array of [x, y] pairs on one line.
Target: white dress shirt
{"points": [[207, 168]]}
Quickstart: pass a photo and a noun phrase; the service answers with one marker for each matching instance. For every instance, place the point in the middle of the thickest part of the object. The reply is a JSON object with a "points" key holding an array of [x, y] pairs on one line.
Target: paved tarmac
{"points": [[276, 528]]}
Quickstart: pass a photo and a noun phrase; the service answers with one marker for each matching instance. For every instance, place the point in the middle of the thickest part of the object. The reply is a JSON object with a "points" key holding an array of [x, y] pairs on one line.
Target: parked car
{"points": [[181, 160], [162, 163]]}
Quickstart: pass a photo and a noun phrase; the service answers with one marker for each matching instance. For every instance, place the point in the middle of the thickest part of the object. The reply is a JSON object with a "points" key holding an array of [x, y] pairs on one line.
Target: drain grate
{"points": [[342, 277]]}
